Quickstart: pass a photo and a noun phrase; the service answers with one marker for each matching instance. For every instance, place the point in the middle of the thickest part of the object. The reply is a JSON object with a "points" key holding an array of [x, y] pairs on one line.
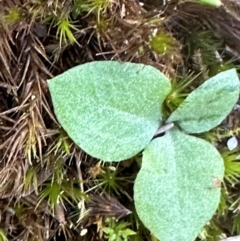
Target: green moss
{"points": [[13, 16], [162, 43]]}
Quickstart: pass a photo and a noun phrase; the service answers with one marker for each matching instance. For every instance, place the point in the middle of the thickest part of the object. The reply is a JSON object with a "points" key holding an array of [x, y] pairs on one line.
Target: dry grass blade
{"points": [[27, 135], [102, 205], [11, 180], [7, 58], [223, 22]]}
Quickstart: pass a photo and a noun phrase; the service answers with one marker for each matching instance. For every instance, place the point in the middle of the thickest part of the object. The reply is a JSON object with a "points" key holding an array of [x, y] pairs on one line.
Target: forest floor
{"points": [[49, 188]]}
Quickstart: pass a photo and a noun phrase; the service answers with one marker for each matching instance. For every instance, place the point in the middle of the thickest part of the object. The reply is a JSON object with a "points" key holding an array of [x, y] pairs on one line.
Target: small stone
{"points": [[232, 143]]}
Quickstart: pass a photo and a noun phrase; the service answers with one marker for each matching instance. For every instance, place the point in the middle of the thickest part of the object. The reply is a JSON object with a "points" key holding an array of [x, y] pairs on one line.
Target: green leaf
{"points": [[111, 110], [107, 230], [121, 226], [3, 236], [127, 232], [208, 105], [214, 3], [177, 189]]}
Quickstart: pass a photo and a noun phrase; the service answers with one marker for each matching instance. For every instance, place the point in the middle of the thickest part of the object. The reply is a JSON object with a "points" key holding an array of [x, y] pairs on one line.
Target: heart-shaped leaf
{"points": [[208, 105], [111, 110], [177, 189]]}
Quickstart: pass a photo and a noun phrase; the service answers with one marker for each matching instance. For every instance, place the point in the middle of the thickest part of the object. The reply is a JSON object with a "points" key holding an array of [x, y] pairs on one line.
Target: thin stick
{"points": [[164, 128]]}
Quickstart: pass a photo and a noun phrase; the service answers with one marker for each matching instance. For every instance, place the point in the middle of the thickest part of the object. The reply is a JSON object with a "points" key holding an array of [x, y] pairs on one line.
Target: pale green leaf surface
{"points": [[208, 105], [111, 110], [176, 190]]}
